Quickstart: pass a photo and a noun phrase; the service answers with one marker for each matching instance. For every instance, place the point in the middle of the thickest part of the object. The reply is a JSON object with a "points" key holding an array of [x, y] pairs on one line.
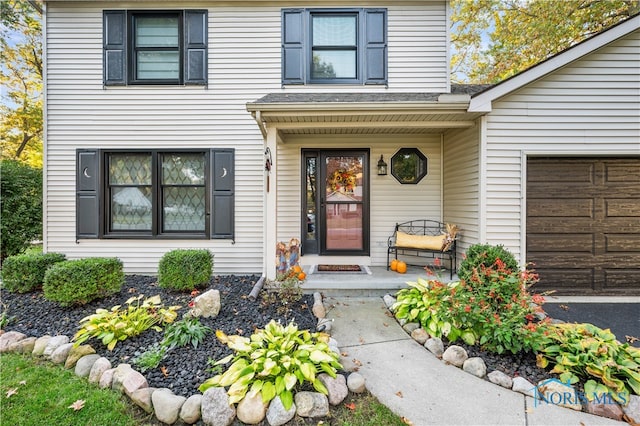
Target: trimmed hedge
{"points": [[25, 272], [485, 254], [185, 270], [77, 282]]}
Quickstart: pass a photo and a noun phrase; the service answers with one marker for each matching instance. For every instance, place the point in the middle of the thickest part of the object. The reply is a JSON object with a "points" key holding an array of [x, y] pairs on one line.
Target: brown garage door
{"points": [[583, 224]]}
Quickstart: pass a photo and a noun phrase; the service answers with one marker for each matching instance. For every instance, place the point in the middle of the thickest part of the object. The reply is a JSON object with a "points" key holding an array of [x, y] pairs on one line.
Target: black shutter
{"points": [[223, 193], [293, 69], [375, 49], [87, 193], [115, 47], [195, 46]]}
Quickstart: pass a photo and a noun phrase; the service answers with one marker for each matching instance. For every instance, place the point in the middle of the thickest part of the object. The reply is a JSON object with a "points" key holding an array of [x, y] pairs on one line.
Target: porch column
{"points": [[271, 206]]}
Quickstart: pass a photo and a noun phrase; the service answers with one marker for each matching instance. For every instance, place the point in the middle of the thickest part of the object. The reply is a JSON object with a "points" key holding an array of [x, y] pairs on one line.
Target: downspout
{"points": [[442, 218], [482, 181], [45, 133]]}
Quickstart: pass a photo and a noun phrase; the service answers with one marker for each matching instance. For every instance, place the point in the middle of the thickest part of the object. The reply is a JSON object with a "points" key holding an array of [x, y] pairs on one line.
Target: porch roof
{"points": [[365, 113]]}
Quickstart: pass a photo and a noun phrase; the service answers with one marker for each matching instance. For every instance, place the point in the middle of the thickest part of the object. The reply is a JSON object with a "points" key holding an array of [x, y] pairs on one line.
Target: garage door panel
{"points": [[583, 224]]}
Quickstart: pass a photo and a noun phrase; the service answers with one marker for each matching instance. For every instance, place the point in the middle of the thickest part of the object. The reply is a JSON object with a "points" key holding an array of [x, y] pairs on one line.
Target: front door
{"points": [[336, 207]]}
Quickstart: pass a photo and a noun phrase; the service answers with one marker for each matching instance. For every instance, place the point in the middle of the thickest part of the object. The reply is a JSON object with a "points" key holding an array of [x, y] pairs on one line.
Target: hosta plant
{"points": [[117, 324], [273, 361], [587, 352], [188, 331]]}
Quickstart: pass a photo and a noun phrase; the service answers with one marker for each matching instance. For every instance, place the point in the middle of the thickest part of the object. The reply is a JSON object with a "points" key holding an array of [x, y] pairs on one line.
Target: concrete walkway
{"points": [[414, 384]]}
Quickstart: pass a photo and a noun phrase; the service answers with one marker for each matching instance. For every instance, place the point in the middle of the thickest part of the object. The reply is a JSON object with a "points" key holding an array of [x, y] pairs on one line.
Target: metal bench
{"points": [[423, 227]]}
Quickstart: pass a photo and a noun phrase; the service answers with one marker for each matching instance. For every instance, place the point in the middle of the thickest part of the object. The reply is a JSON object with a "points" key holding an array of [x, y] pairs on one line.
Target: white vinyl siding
{"points": [[461, 177], [390, 201], [588, 108]]}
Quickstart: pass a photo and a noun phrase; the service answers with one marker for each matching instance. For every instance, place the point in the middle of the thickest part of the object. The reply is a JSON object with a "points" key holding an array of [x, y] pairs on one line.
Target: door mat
{"points": [[340, 269]]}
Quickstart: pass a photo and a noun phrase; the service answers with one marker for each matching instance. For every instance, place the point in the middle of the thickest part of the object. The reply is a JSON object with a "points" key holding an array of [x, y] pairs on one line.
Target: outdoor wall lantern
{"points": [[382, 166]]}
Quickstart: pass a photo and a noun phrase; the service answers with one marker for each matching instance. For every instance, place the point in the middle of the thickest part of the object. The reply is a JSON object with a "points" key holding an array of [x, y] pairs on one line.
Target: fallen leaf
{"points": [[350, 406], [357, 362], [632, 339], [399, 393], [564, 307], [385, 324], [345, 354], [12, 392], [164, 371], [78, 405], [361, 341], [23, 383], [406, 421]]}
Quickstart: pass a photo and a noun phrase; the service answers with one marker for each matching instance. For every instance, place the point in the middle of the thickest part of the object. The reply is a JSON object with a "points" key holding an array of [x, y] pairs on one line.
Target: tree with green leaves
{"points": [[495, 39], [21, 73]]}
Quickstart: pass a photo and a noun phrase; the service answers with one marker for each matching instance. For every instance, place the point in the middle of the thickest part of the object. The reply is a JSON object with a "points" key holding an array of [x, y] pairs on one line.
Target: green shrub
{"points": [[77, 282], [185, 270], [187, 331], [273, 361], [485, 254], [119, 324], [25, 272], [21, 213]]}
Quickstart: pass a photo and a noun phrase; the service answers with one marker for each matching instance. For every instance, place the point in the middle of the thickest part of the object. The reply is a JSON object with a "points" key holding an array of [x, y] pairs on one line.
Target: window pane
{"points": [[158, 65], [334, 64], [183, 209], [131, 209], [128, 169], [334, 30], [156, 32], [183, 169]]}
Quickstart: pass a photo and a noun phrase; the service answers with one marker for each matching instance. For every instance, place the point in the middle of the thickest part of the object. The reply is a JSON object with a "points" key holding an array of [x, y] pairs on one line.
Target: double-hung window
{"points": [[155, 193], [155, 47], [334, 46]]}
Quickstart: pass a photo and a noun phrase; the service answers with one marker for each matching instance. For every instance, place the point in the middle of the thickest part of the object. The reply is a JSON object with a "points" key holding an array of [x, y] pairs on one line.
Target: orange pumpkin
{"points": [[297, 269], [302, 276], [393, 265], [401, 267]]}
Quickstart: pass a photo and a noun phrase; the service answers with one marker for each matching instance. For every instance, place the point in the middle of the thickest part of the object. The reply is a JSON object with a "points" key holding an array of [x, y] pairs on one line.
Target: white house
{"points": [[234, 125]]}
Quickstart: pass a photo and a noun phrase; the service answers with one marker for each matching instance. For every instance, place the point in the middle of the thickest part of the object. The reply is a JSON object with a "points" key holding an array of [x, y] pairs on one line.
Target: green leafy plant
{"points": [[188, 330], [283, 292], [587, 352], [273, 361], [485, 254], [25, 272], [118, 324], [150, 358], [77, 282], [185, 270], [492, 307]]}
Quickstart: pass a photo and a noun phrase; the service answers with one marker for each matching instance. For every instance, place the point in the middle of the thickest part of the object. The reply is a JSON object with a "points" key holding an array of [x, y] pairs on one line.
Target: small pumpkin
{"points": [[401, 267], [297, 269], [393, 265], [302, 276]]}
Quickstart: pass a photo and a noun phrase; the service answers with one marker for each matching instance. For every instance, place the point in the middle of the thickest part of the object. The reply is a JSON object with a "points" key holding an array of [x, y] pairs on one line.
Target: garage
{"points": [[583, 224]]}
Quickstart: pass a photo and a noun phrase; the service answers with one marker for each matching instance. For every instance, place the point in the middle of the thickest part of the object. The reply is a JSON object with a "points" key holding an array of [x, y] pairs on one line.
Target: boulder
{"points": [[276, 413], [610, 410], [337, 387], [435, 346], [106, 379], [632, 409], [59, 356], [190, 411], [553, 391], [410, 326], [41, 345], [142, 398], [523, 386], [24, 346], [84, 365], [54, 343], [101, 365], [500, 378], [455, 355], [251, 410], [311, 404], [76, 353], [420, 335], [389, 301], [356, 383], [215, 408], [475, 366], [9, 338], [207, 304], [166, 405]]}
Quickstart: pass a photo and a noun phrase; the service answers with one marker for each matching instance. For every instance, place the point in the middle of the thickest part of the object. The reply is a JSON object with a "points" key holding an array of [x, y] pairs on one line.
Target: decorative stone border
{"points": [[212, 407], [458, 356]]}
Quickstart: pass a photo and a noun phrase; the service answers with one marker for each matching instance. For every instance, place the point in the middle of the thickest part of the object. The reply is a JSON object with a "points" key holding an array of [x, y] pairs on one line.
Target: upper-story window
{"points": [[155, 47], [334, 46]]}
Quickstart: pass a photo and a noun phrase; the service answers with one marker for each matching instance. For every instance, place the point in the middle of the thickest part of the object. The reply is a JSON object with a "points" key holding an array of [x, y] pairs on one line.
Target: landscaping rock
{"points": [[318, 307], [251, 410], [215, 408], [106, 379], [84, 365], [190, 411], [435, 346], [420, 335], [500, 378], [455, 355], [632, 409], [9, 338], [410, 326], [207, 305], [311, 404], [475, 366], [609, 410], [59, 356], [555, 392], [120, 373], [337, 387], [54, 343], [24, 346], [166, 405], [389, 300], [77, 353], [133, 381], [41, 345], [142, 398], [276, 413], [523, 386], [101, 365], [356, 383], [324, 325]]}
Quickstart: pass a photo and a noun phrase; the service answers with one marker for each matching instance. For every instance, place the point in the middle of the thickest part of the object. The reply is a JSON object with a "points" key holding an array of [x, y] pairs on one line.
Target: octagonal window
{"points": [[409, 165]]}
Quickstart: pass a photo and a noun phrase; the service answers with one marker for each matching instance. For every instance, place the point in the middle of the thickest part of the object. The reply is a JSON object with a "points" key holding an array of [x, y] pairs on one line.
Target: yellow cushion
{"points": [[429, 242]]}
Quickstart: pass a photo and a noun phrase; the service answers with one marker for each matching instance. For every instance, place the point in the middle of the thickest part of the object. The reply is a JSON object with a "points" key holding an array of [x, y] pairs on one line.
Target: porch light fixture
{"points": [[382, 166]]}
